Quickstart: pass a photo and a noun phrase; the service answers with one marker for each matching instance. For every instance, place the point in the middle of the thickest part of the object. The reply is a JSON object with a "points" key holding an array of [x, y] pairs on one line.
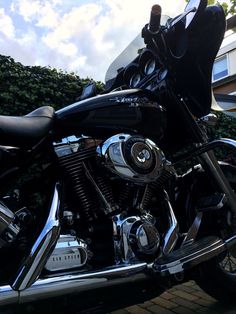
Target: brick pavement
{"points": [[187, 298]]}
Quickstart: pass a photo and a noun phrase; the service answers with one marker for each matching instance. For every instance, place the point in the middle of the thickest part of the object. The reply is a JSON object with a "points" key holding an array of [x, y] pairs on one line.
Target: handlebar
{"points": [[155, 18]]}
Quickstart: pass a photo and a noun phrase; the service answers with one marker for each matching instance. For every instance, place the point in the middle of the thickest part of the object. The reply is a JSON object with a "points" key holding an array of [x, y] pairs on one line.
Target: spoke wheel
{"points": [[228, 264]]}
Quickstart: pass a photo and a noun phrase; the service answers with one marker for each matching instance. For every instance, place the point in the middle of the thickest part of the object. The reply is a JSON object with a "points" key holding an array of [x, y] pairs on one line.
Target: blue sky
{"points": [[78, 36]]}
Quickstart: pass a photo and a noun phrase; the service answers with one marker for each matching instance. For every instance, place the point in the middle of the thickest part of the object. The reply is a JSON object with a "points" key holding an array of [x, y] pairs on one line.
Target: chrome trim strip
{"points": [[42, 248]]}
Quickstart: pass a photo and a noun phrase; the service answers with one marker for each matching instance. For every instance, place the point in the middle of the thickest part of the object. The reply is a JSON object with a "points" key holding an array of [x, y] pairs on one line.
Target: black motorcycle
{"points": [[114, 199]]}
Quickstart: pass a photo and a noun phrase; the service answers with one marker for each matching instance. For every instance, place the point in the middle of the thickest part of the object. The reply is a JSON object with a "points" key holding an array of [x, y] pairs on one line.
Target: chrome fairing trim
{"points": [[42, 248]]}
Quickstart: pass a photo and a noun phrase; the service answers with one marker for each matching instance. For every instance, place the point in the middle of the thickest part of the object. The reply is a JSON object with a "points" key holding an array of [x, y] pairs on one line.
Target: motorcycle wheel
{"points": [[217, 277]]}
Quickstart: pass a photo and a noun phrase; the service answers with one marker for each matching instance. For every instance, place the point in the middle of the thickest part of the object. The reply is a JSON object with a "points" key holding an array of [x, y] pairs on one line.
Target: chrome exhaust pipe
{"points": [[60, 286]]}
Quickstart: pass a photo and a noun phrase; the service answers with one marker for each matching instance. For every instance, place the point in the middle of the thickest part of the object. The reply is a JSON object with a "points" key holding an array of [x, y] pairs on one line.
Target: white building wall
{"points": [[232, 62]]}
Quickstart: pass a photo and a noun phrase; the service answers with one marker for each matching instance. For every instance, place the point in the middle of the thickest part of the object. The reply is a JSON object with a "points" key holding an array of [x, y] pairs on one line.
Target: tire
{"points": [[217, 282], [217, 277]]}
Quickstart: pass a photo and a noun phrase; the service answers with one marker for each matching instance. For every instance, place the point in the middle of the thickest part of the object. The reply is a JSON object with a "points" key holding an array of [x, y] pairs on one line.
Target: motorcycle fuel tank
{"points": [[130, 110]]}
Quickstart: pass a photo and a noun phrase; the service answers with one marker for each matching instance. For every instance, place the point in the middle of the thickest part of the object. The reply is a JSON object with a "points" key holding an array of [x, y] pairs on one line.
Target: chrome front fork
{"points": [[211, 164]]}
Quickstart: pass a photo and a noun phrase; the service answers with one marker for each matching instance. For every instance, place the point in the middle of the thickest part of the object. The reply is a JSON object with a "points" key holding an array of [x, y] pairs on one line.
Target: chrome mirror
{"points": [[193, 8]]}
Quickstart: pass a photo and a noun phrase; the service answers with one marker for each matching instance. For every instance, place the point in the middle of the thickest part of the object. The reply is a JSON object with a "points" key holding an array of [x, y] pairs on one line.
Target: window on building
{"points": [[220, 68]]}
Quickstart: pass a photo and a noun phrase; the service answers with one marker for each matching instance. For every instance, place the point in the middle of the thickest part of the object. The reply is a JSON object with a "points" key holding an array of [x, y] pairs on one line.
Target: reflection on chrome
{"points": [[150, 66], [135, 80], [42, 248]]}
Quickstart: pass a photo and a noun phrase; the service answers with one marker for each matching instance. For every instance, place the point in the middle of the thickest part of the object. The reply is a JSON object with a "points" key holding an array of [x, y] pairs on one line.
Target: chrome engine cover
{"points": [[132, 157], [68, 254], [134, 236]]}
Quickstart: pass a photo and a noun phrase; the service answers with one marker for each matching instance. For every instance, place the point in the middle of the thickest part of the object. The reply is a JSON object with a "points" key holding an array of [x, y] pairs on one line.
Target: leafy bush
{"points": [[226, 126], [25, 88]]}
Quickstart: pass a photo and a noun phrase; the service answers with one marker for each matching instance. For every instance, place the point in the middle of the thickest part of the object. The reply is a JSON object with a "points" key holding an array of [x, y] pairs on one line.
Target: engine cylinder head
{"points": [[72, 153]]}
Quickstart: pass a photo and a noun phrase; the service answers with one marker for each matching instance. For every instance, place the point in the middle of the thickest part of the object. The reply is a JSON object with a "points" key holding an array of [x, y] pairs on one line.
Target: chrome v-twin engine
{"points": [[129, 158]]}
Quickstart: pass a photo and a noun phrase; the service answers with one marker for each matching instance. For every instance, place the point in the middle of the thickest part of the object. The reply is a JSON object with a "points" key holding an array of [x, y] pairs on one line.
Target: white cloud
{"points": [[80, 36], [43, 13], [6, 24], [26, 8], [48, 17]]}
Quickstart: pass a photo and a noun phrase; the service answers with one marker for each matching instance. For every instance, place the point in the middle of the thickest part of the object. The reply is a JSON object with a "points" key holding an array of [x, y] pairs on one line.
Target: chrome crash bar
{"points": [[42, 248]]}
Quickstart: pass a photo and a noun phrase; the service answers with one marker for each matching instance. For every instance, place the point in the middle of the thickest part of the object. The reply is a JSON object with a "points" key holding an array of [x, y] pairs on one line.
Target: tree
{"points": [[229, 7], [230, 11]]}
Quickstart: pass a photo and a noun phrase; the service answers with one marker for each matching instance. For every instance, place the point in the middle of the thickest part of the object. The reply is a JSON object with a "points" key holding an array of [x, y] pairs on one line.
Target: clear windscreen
{"points": [[129, 54]]}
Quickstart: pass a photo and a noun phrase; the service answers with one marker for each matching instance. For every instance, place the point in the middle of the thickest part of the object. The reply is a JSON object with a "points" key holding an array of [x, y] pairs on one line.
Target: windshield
{"points": [[129, 54]]}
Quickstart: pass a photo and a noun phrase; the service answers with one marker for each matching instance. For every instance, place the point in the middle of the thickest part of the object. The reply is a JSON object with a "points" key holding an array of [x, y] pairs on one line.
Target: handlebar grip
{"points": [[155, 18]]}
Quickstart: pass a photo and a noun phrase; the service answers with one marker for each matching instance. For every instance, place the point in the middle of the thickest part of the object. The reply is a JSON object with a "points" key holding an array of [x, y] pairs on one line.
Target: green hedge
{"points": [[226, 126], [25, 88]]}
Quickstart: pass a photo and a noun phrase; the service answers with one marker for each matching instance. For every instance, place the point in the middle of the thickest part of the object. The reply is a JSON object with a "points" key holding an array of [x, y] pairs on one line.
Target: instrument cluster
{"points": [[146, 71]]}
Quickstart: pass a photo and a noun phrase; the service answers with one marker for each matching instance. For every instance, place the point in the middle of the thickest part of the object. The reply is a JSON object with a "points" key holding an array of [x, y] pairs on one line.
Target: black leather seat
{"points": [[26, 130]]}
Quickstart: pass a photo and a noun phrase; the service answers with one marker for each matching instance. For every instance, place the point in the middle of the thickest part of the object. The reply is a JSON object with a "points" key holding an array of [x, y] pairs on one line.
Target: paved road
{"points": [[187, 298]]}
